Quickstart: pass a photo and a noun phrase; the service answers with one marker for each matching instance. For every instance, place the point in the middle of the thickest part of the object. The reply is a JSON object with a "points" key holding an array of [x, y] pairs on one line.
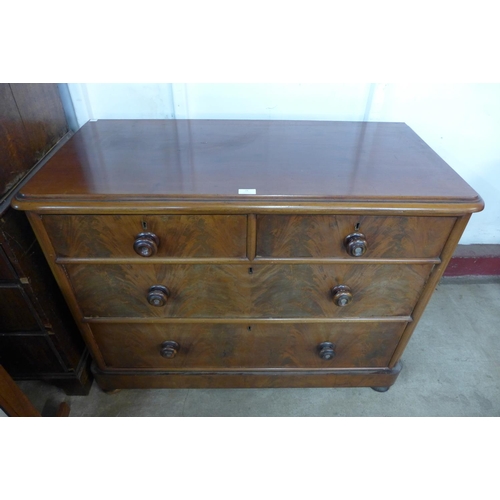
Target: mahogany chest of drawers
{"points": [[207, 253]]}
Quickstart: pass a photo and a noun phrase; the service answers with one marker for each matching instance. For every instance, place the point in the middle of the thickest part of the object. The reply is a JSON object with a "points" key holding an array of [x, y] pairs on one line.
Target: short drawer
{"points": [[246, 346], [108, 236], [266, 291], [322, 236]]}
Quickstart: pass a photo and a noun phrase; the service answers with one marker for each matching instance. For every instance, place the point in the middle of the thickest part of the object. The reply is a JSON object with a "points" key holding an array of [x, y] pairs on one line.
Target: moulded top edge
{"points": [[247, 204], [201, 161]]}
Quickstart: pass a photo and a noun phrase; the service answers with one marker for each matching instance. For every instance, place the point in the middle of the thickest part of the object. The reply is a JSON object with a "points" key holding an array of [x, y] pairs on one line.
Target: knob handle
{"points": [[341, 295], [169, 349], [355, 244], [146, 244], [326, 350], [158, 295]]}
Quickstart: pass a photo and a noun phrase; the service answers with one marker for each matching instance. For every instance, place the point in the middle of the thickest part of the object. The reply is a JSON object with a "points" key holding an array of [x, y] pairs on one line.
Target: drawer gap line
{"points": [[124, 320]]}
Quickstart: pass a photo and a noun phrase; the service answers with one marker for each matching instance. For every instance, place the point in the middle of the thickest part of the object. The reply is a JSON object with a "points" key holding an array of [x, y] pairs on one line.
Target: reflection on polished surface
{"points": [[197, 158]]}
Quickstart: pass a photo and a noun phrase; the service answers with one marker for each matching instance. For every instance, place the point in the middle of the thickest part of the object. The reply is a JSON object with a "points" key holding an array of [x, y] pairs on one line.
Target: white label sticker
{"points": [[247, 191]]}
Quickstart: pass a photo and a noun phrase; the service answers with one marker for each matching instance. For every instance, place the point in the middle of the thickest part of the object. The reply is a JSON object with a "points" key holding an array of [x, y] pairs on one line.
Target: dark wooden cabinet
{"points": [[38, 336], [179, 277]]}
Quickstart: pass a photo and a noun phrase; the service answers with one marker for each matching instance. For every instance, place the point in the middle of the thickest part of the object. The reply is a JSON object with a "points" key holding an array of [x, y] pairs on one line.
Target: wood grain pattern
{"points": [[231, 291], [38, 337], [31, 122], [236, 346], [15, 403], [249, 277], [43, 116], [251, 236], [234, 206], [64, 284], [133, 379], [12, 400], [431, 284], [14, 154], [139, 160], [44, 296], [323, 235], [180, 235]]}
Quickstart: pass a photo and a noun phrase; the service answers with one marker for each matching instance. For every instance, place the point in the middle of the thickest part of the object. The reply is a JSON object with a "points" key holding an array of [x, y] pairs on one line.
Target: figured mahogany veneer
{"points": [[178, 280], [247, 346], [323, 235], [207, 291], [179, 235]]}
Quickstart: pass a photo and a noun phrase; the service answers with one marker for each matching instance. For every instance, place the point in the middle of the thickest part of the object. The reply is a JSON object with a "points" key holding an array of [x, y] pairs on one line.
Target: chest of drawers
{"points": [[247, 253]]}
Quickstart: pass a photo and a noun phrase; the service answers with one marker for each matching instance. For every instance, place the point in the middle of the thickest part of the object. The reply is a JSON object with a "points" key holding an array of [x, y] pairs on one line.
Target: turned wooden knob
{"points": [[158, 295], [341, 295], [146, 244], [169, 349], [355, 244], [326, 350]]}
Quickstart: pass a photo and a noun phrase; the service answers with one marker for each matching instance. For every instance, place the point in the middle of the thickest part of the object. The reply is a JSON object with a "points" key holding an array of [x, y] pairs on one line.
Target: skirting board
{"points": [[475, 260]]}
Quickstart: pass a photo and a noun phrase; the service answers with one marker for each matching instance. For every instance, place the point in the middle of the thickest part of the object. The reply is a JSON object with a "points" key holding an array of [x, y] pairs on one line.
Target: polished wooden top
{"points": [[202, 160]]}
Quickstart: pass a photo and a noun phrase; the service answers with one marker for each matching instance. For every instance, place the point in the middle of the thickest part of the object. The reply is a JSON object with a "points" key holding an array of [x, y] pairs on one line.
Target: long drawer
{"points": [[105, 236], [320, 236], [240, 346], [124, 290]]}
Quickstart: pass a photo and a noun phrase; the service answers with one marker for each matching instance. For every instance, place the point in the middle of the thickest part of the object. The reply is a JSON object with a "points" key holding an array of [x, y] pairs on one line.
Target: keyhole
{"points": [[144, 224], [250, 270], [356, 227], [249, 328]]}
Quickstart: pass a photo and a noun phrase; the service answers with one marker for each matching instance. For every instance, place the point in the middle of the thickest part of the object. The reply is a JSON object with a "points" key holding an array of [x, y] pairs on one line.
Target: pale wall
{"points": [[461, 122]]}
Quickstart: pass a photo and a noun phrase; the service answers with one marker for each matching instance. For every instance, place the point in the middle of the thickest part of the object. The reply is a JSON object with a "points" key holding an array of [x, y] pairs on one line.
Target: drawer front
{"points": [[234, 346], [323, 236], [231, 291], [103, 236]]}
